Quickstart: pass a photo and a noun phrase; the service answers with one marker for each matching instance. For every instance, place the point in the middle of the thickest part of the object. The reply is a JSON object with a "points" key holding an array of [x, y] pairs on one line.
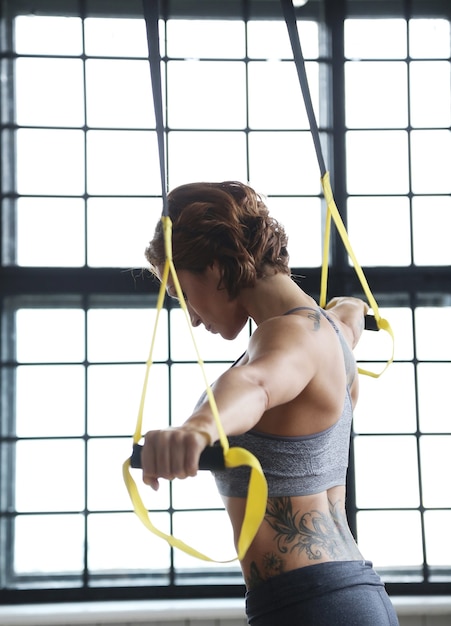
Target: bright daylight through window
{"points": [[80, 198]]}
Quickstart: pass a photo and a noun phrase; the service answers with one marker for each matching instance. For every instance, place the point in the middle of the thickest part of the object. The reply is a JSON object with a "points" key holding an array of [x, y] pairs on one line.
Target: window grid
{"points": [[229, 580], [424, 567]]}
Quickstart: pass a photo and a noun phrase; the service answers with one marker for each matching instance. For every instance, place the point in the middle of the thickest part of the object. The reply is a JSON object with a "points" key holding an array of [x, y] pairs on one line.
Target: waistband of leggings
{"points": [[311, 581]]}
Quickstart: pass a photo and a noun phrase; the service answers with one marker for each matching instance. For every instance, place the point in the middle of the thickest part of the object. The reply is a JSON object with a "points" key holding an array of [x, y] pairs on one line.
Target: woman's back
{"points": [[303, 448]]}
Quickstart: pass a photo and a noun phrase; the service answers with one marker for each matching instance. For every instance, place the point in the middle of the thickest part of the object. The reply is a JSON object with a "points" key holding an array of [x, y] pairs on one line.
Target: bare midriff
{"points": [[297, 531]]}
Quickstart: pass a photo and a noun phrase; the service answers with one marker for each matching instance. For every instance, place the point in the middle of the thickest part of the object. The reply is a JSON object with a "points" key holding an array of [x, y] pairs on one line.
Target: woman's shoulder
{"points": [[297, 336], [297, 321]]}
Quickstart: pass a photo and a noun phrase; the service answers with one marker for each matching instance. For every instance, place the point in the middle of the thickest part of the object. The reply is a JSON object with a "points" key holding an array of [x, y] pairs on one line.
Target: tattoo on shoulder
{"points": [[315, 533], [315, 316]]}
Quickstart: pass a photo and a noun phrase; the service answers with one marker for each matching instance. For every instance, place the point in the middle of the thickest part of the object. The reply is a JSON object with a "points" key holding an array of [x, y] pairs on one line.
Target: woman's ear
{"points": [[217, 273]]}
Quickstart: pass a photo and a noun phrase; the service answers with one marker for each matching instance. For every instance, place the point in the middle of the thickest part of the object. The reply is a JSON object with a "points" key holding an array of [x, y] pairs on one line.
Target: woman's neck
{"points": [[272, 296]]}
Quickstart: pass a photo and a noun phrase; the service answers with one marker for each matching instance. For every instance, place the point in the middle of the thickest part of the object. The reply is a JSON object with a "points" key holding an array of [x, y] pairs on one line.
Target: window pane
{"points": [[391, 538], [114, 394], [115, 37], [50, 162], [432, 342], [438, 551], [119, 94], [431, 155], [116, 335], [433, 79], [387, 405], [429, 38], [50, 335], [105, 482], [376, 94], [378, 345], [285, 108], [435, 463], [375, 221], [188, 387], [41, 392], [135, 548], [49, 92], [384, 168], [188, 105], [431, 221], [207, 156], [395, 483], [433, 398], [301, 218], [375, 39], [105, 458], [58, 224], [48, 35], [269, 40], [50, 475], [42, 545], [283, 163], [214, 39], [123, 163], [196, 492], [201, 531], [119, 230]]}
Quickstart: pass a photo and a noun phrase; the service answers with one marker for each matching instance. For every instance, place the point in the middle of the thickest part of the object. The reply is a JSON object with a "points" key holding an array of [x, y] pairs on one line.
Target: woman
{"points": [[288, 400]]}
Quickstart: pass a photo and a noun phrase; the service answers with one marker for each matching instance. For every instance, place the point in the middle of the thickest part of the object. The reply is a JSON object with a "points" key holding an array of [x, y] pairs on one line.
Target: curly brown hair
{"points": [[227, 223]]}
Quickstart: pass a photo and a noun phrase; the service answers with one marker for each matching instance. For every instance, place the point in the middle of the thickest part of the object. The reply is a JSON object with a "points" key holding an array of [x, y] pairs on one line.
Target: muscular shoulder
{"points": [[287, 332], [292, 343]]}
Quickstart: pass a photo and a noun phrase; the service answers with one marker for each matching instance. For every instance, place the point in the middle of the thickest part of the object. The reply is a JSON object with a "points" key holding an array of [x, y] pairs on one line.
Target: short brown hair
{"points": [[225, 222]]}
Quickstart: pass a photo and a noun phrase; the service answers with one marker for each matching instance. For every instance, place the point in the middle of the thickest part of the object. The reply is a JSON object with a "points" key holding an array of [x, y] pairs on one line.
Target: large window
{"points": [[398, 149], [80, 198]]}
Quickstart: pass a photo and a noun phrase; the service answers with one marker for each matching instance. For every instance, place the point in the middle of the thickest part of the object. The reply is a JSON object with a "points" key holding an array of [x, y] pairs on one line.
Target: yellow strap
{"points": [[332, 212], [233, 457]]}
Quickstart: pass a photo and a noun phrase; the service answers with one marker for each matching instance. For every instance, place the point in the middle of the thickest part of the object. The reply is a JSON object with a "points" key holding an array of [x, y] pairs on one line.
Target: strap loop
{"points": [[332, 211], [233, 457]]}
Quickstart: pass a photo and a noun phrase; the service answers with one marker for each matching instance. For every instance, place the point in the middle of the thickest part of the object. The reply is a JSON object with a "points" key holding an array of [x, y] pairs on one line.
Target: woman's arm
{"points": [[283, 357], [351, 313]]}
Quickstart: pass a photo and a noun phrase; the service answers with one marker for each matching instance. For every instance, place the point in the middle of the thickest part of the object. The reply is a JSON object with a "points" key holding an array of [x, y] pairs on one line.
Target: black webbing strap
{"points": [[151, 14], [213, 456], [332, 211], [290, 20]]}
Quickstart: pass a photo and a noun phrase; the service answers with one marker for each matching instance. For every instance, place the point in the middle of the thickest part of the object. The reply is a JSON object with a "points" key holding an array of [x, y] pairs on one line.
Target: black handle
{"points": [[212, 458], [370, 323]]}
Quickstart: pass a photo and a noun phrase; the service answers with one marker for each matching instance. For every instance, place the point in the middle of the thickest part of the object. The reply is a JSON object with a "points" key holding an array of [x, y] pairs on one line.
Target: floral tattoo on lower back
{"points": [[315, 533]]}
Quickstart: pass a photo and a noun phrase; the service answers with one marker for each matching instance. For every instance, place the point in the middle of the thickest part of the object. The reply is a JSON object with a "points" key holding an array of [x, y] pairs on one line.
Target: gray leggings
{"points": [[340, 593]]}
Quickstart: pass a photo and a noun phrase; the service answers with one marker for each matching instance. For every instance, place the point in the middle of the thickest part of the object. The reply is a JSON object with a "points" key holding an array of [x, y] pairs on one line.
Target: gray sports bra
{"points": [[297, 466]]}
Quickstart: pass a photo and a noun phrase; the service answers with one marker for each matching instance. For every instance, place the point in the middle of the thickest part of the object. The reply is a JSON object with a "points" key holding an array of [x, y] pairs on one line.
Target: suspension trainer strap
{"points": [[151, 15], [332, 211], [231, 457]]}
